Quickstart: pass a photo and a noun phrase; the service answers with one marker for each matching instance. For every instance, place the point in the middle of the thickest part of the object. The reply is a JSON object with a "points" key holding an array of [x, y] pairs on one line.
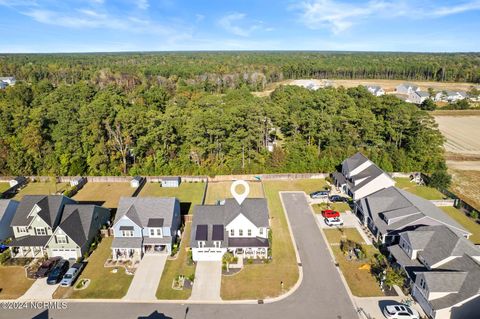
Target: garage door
{"points": [[65, 253]]}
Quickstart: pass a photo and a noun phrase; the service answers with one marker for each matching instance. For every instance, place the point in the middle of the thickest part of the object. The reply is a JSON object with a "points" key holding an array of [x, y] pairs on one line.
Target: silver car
{"points": [[399, 312], [71, 275]]}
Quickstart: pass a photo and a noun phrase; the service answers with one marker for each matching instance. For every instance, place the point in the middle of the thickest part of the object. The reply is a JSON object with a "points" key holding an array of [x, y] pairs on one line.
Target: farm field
{"points": [[466, 185], [461, 133], [106, 193], [40, 188], [221, 190], [189, 194]]}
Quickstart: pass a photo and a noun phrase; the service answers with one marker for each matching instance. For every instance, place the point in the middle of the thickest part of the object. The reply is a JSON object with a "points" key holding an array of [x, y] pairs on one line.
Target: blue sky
{"points": [[159, 25]]}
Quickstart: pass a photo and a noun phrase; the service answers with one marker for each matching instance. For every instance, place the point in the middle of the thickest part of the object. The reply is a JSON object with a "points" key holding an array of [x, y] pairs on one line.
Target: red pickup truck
{"points": [[330, 213]]}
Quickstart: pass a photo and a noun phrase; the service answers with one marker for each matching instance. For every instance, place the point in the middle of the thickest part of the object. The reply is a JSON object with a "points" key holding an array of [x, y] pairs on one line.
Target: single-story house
{"points": [[8, 207], [241, 229], [136, 181], [18, 181], [171, 181], [375, 90], [145, 225]]}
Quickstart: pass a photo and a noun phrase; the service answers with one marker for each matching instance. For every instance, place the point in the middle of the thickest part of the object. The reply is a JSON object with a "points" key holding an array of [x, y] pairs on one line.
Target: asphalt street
{"points": [[320, 295]]}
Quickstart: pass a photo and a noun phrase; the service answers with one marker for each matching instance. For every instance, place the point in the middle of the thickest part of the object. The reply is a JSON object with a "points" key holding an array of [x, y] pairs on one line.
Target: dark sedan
{"points": [[46, 267], [337, 198], [57, 273]]}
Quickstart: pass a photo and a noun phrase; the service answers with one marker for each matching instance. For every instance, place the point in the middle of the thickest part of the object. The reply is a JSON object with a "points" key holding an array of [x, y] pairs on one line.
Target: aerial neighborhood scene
{"points": [[178, 159]]}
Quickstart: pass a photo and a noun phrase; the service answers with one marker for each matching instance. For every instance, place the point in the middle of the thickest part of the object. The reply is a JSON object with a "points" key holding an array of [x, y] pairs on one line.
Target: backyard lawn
{"points": [[422, 191], [339, 207], [4, 187], [361, 282], [221, 190], [260, 281], [13, 282], [41, 188], [189, 194], [466, 222], [104, 283], [106, 194], [174, 268]]}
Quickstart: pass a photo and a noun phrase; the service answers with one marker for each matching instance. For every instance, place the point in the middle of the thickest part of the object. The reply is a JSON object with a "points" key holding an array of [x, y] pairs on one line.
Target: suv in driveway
{"points": [[57, 273], [320, 194], [71, 275], [46, 267]]}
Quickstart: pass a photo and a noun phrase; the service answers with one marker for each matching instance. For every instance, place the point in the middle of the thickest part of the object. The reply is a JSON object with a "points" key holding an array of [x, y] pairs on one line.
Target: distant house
{"points": [[8, 208], [3, 85], [8, 80], [18, 181], [145, 225], [136, 181], [406, 88], [375, 90], [241, 229], [361, 177], [173, 181], [308, 84], [417, 97], [450, 96], [78, 182]]}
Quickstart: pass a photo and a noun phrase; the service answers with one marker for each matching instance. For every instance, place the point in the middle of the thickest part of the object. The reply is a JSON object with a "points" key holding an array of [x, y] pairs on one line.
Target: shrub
{"points": [[4, 256], [440, 179], [249, 261], [191, 277], [474, 214]]}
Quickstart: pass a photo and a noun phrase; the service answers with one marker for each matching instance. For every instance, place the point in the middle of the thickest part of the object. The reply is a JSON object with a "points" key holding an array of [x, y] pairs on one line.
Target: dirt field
{"points": [[462, 134], [466, 184]]}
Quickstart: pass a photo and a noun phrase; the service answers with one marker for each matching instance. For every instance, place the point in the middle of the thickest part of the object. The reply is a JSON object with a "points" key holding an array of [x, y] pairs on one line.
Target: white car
{"points": [[334, 221], [400, 312]]}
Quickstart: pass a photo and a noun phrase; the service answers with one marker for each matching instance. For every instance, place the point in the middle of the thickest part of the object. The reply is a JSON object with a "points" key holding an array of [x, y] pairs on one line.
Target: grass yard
{"points": [[104, 283], [4, 187], [13, 282], [221, 190], [339, 207], [466, 222], [361, 282], [189, 194], [41, 188], [107, 193], [422, 191], [176, 267], [260, 281]]}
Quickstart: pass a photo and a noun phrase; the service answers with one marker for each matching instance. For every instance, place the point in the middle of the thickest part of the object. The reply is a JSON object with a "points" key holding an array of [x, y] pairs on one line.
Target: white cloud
{"points": [[143, 4], [199, 17], [455, 9], [237, 23]]}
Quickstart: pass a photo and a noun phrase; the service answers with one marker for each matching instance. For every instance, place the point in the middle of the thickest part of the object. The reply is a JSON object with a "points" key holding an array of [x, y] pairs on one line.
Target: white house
{"points": [[450, 96], [78, 181], [361, 177], [375, 90], [172, 181], [417, 97], [241, 229], [406, 88], [8, 80], [3, 85], [18, 181], [308, 84]]}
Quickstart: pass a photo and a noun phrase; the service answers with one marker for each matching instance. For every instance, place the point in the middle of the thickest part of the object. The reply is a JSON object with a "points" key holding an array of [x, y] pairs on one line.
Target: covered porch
{"points": [[254, 247], [127, 248], [157, 245], [29, 247]]}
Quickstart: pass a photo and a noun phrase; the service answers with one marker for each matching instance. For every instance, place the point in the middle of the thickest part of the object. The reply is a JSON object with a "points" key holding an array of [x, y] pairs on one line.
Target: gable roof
{"points": [[50, 207], [355, 161], [143, 209], [370, 173]]}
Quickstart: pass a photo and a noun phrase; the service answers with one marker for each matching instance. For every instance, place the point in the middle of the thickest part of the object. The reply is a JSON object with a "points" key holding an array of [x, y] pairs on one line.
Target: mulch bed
{"points": [[231, 272], [390, 292]]}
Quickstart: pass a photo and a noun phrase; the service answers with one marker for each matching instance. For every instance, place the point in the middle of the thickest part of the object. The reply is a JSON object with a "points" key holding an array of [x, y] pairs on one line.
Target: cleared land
{"points": [[466, 185], [106, 194], [260, 281], [189, 194], [176, 267], [221, 190], [461, 133], [422, 191], [104, 283], [466, 222], [13, 282], [361, 282], [40, 188]]}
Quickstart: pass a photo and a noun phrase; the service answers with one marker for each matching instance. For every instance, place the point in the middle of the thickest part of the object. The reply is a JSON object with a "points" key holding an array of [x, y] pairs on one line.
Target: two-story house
{"points": [[406, 88], [241, 229], [375, 90], [145, 225], [35, 219], [361, 177], [417, 97]]}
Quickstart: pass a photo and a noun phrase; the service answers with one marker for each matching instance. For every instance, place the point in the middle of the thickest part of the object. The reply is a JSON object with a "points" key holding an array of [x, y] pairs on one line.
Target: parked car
{"points": [[46, 267], [320, 194], [400, 311], [336, 221], [328, 213], [57, 272], [71, 275], [337, 198]]}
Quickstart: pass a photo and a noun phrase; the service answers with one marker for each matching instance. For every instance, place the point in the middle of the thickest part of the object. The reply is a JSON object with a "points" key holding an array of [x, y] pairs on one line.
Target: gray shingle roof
{"points": [[127, 242], [141, 209], [419, 238], [4, 204], [441, 281], [247, 242], [355, 161], [50, 205], [29, 241]]}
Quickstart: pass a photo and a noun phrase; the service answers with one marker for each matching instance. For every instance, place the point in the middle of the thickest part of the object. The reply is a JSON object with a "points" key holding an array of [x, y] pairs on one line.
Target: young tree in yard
{"points": [[393, 277], [428, 105], [440, 179]]}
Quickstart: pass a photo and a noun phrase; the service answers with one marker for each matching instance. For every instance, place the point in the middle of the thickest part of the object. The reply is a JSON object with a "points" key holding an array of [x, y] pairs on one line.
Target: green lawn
{"points": [[361, 282], [41, 188], [422, 191], [260, 281], [13, 282], [466, 222], [104, 283], [189, 194], [4, 187], [221, 190], [339, 207], [174, 268], [106, 194]]}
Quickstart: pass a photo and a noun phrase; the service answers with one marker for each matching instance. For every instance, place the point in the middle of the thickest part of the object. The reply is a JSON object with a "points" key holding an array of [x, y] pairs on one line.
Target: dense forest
{"points": [[53, 126], [220, 71]]}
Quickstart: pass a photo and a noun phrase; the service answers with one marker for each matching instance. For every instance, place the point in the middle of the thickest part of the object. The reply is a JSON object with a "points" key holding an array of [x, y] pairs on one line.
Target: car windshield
{"points": [[67, 276]]}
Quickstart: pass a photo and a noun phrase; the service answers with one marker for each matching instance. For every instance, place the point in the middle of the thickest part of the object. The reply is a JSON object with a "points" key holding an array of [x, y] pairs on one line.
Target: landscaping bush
{"points": [[440, 179], [474, 214], [4, 256], [175, 249], [191, 277]]}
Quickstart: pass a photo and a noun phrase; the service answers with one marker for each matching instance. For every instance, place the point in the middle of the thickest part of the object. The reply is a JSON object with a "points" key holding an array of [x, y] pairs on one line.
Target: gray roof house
{"points": [[79, 226], [361, 177], [406, 88], [8, 208], [375, 90], [390, 211], [241, 229], [145, 225]]}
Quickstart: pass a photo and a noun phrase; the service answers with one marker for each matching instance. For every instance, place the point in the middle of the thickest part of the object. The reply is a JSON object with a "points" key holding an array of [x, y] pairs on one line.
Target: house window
{"points": [[201, 244], [40, 231], [22, 229], [155, 232], [127, 233], [232, 232], [61, 239], [260, 231], [249, 232], [240, 232], [217, 244], [152, 232]]}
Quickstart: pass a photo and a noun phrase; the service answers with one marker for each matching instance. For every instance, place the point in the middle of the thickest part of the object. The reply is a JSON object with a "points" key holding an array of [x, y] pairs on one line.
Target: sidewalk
{"points": [[372, 307]]}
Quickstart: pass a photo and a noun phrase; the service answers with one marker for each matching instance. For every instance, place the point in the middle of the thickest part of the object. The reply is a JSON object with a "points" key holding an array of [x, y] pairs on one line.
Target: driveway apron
{"points": [[147, 277], [39, 290], [208, 279]]}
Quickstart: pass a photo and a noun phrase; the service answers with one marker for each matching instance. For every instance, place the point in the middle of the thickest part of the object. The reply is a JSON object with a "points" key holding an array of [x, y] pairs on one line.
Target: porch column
{"points": [[41, 251], [21, 251]]}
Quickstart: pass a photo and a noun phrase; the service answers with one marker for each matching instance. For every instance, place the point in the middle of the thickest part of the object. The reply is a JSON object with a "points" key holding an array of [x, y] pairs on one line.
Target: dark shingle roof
{"points": [[248, 242], [155, 222], [26, 241], [355, 161], [50, 205], [142, 209]]}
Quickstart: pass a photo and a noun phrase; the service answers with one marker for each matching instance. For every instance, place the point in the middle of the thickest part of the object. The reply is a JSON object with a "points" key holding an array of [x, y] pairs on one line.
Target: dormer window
{"points": [[155, 232], [22, 229], [40, 231], [61, 239]]}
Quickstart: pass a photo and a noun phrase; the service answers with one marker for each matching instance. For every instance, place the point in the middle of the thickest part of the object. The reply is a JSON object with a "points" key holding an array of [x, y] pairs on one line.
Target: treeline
{"points": [[221, 71], [81, 128]]}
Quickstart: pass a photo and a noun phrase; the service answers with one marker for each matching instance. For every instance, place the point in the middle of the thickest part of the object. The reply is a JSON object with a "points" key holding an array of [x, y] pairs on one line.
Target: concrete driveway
{"points": [[208, 279], [39, 290], [147, 276], [349, 221]]}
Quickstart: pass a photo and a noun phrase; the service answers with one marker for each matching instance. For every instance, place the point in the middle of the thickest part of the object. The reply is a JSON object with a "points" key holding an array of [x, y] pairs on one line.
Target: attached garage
{"points": [[64, 253]]}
